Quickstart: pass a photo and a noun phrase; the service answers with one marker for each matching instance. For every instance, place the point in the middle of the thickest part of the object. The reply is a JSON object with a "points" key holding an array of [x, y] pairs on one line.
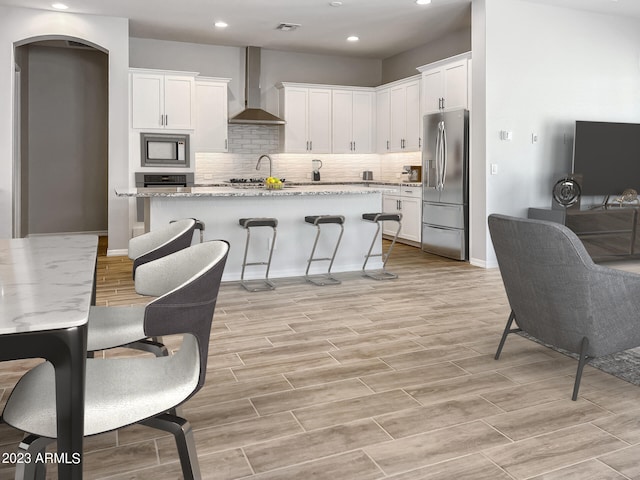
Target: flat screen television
{"points": [[607, 156]]}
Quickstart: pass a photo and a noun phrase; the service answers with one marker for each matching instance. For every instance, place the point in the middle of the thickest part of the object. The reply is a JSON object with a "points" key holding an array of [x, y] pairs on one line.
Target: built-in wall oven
{"points": [[144, 179]]}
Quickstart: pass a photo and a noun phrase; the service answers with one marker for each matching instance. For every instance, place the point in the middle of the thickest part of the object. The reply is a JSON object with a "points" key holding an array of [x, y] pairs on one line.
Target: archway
{"points": [[61, 161]]}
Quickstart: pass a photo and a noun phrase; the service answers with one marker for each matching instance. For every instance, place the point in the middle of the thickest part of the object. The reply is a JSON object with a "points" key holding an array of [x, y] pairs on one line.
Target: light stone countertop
{"points": [[248, 190]]}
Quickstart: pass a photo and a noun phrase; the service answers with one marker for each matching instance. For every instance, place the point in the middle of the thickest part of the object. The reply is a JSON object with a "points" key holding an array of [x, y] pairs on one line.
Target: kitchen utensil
{"points": [[316, 165]]}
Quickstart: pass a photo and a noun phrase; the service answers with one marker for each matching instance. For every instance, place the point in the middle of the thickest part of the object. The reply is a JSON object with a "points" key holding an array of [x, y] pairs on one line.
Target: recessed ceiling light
{"points": [[335, 4], [353, 38], [221, 24], [423, 2], [59, 6]]}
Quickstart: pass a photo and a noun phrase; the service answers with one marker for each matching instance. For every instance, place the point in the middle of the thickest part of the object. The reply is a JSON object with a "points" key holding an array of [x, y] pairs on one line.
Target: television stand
{"points": [[608, 233]]}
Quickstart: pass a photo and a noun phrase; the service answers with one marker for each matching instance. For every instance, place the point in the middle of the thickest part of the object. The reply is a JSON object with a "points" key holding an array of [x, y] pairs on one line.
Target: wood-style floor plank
{"points": [[373, 380]]}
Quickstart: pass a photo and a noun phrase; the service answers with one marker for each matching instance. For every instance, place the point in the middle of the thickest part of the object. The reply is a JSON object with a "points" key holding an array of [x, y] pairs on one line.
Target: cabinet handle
{"points": [[166, 120], [226, 144], [419, 142], [161, 119], [307, 145], [310, 145], [387, 144]]}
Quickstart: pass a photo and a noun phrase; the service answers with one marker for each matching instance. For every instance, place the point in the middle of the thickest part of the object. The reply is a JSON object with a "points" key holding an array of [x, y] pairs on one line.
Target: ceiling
{"points": [[385, 27]]}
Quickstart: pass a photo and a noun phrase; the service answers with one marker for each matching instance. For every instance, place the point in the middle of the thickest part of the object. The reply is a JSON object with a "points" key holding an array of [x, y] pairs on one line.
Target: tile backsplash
{"points": [[248, 142]]}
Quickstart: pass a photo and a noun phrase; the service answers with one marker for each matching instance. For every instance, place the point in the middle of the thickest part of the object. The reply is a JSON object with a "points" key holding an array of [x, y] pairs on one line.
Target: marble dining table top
{"points": [[46, 282]]}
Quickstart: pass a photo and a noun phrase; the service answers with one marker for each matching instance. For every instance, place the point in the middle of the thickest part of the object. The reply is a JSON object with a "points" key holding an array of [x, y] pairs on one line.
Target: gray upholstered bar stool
{"points": [[317, 220], [378, 218], [247, 224]]}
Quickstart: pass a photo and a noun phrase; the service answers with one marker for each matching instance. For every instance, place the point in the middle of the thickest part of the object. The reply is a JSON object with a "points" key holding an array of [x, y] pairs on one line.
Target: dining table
{"points": [[47, 285]]}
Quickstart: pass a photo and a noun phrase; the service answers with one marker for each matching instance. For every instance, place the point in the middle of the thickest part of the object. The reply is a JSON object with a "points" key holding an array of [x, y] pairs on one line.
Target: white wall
{"points": [[110, 34], [545, 67]]}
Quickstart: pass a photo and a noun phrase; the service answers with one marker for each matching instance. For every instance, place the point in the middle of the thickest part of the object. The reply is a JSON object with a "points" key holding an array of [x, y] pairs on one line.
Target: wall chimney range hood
{"points": [[253, 114]]}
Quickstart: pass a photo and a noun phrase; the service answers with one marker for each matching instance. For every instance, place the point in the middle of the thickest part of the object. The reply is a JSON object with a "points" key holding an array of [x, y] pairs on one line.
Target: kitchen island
{"points": [[220, 208]]}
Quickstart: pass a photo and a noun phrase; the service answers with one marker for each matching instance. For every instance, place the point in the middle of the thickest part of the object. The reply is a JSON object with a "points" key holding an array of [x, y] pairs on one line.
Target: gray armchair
{"points": [[559, 296]]}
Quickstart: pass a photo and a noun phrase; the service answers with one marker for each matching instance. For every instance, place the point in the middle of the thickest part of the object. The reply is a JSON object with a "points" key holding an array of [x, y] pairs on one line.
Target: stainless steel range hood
{"points": [[253, 114]]}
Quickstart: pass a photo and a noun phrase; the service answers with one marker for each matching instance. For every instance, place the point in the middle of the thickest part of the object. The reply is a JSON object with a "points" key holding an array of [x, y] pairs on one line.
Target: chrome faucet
{"points": [[260, 159]]}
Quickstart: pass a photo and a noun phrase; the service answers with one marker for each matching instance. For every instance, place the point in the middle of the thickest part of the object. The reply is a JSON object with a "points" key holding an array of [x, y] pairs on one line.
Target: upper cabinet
{"points": [[352, 120], [383, 121], [162, 100], [307, 111], [211, 115], [398, 116], [445, 84]]}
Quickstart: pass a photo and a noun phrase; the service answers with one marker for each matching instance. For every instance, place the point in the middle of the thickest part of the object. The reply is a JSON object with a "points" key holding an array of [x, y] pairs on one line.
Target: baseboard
{"points": [[483, 263], [117, 252], [99, 233]]}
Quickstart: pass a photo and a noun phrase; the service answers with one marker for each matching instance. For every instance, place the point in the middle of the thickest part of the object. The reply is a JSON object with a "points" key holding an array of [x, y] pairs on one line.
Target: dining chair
{"points": [[162, 241], [111, 327], [143, 390]]}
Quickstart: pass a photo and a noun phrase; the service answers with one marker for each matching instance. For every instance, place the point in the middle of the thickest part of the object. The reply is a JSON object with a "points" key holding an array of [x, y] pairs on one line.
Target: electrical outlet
{"points": [[534, 138], [494, 169]]}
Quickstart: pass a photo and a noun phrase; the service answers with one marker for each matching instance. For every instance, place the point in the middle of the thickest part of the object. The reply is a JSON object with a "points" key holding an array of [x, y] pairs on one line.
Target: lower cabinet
{"points": [[408, 202]]}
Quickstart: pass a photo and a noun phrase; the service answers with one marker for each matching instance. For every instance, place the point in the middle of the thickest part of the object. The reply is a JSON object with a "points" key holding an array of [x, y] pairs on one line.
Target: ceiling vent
{"points": [[288, 27]]}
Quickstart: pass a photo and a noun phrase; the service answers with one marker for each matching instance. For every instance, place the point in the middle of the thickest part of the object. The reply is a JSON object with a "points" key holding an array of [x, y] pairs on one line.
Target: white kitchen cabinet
{"points": [[307, 113], [211, 115], [383, 121], [352, 121], [161, 100], [408, 201], [445, 85], [404, 99]]}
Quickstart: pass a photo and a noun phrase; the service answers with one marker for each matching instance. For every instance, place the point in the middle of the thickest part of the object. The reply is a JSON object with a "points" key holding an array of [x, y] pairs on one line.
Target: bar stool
{"points": [[378, 218], [247, 223], [317, 220], [198, 226]]}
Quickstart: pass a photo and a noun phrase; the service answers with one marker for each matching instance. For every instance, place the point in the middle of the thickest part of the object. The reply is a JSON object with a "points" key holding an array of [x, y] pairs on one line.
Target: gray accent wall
{"points": [[277, 66], [67, 137], [404, 64]]}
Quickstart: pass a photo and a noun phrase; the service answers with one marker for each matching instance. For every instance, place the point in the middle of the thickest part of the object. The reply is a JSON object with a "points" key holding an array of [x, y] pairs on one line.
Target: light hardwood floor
{"points": [[375, 379]]}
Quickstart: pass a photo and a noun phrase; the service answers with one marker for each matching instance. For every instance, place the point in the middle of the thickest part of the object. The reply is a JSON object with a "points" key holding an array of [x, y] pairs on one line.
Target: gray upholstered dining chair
{"points": [[559, 296], [144, 390], [111, 327], [162, 241]]}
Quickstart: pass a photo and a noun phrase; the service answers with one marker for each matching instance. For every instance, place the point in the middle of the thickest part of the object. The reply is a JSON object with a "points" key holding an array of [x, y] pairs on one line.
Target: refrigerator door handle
{"points": [[441, 156]]}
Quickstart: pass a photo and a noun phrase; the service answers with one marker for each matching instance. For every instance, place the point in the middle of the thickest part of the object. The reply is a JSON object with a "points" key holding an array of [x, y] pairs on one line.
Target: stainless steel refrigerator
{"points": [[445, 184]]}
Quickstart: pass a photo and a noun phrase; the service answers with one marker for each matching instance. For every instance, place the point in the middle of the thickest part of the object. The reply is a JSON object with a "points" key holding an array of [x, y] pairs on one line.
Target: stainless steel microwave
{"points": [[164, 149]]}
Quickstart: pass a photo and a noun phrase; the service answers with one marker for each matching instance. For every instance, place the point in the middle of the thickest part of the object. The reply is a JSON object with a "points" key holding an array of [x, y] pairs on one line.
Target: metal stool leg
{"points": [[381, 274], [265, 284], [328, 278]]}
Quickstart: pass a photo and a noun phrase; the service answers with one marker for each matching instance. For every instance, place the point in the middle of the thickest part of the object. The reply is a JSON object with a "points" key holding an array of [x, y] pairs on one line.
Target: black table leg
{"points": [[66, 349]]}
